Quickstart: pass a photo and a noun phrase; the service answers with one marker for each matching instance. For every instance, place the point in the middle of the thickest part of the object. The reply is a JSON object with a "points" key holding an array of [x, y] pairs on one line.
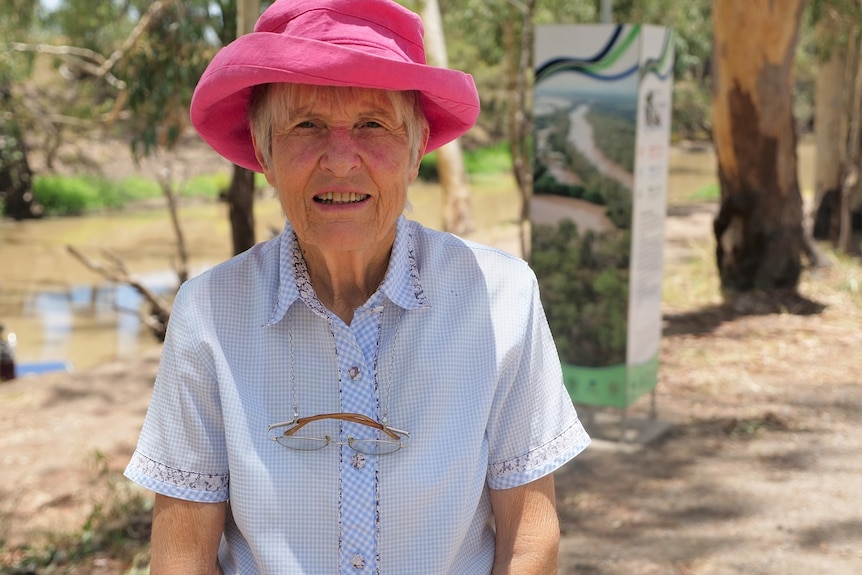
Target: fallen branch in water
{"points": [[113, 269]]}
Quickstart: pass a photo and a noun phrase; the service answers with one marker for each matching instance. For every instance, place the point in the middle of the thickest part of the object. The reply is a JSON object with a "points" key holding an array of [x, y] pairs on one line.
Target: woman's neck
{"points": [[344, 280]]}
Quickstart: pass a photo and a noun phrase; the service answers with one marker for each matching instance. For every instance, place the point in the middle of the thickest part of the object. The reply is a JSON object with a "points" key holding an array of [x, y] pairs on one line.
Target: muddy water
{"points": [[60, 311]]}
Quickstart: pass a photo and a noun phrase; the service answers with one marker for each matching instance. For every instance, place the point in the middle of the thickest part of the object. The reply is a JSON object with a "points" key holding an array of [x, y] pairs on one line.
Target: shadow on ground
{"points": [[705, 320]]}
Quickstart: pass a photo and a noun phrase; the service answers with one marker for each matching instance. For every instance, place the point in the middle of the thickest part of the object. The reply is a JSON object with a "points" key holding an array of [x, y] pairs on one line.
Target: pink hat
{"points": [[360, 43]]}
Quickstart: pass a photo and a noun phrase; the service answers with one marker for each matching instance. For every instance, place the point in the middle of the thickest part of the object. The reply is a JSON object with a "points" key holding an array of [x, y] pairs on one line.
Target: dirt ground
{"points": [[758, 472], [760, 469]]}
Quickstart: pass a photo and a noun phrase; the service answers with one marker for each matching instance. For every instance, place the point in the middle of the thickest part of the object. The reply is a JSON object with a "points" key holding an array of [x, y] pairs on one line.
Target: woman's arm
{"points": [[186, 537], [528, 531]]}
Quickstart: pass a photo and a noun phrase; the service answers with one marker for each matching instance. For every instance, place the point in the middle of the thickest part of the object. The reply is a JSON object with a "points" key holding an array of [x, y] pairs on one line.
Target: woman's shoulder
{"points": [[435, 245], [448, 259]]}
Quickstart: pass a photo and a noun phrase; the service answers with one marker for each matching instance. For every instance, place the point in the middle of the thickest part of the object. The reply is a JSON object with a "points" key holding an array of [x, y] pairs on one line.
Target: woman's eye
{"points": [[372, 124], [305, 124]]}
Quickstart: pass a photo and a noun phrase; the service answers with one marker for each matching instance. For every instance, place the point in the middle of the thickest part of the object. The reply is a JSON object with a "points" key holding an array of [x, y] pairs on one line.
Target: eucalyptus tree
{"points": [[758, 229], [691, 22], [154, 51], [166, 67], [15, 173], [837, 26], [457, 209]]}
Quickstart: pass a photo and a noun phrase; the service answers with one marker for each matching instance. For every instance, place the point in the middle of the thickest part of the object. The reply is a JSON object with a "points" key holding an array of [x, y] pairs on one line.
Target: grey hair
{"points": [[270, 104]]}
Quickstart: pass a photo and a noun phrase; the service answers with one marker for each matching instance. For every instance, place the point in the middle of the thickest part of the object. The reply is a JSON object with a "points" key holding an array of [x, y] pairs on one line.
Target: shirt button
{"points": [[358, 460], [354, 372], [358, 561]]}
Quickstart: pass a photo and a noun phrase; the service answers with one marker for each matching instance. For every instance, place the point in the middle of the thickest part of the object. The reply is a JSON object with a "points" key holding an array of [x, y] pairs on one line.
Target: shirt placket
{"points": [[358, 500]]}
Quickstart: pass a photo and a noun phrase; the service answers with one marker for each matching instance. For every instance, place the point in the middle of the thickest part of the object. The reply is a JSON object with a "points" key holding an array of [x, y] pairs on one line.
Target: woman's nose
{"points": [[340, 154]]}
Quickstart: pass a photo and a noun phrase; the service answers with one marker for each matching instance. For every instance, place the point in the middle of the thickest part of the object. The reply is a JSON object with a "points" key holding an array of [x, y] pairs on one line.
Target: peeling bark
{"points": [[758, 230]]}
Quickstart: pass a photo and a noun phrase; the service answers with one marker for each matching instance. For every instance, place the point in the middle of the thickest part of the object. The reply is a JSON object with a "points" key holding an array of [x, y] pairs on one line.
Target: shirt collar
{"points": [[401, 284]]}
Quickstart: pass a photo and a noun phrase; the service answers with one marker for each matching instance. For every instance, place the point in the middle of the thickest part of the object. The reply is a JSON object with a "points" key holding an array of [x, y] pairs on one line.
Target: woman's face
{"points": [[341, 162]]}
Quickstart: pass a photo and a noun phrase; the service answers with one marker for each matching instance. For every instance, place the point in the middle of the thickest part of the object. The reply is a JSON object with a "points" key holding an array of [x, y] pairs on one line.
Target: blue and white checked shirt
{"points": [[454, 343]]}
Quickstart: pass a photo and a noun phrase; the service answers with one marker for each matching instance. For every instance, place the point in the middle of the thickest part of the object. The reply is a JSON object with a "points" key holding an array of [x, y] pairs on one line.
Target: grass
{"points": [[707, 193], [840, 281], [491, 160], [78, 195], [481, 161], [118, 528], [692, 281]]}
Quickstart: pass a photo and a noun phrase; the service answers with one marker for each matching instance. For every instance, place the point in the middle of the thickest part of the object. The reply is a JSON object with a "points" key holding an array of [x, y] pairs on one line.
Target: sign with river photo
{"points": [[602, 112]]}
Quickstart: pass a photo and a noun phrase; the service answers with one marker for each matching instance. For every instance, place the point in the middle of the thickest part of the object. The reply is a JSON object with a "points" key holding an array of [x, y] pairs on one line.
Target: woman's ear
{"points": [[264, 164], [420, 152]]}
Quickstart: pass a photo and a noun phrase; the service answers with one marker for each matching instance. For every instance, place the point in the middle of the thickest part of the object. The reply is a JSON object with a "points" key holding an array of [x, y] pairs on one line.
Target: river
{"points": [[581, 135], [60, 311]]}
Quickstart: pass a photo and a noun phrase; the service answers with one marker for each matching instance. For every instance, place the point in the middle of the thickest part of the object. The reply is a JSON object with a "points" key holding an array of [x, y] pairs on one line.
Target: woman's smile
{"points": [[331, 198]]}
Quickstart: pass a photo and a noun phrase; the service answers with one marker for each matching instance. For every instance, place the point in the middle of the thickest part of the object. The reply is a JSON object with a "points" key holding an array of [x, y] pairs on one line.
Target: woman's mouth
{"points": [[340, 198]]}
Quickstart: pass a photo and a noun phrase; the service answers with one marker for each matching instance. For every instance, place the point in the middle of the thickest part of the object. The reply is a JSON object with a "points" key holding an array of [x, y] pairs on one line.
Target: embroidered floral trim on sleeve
{"points": [[178, 478], [571, 437]]}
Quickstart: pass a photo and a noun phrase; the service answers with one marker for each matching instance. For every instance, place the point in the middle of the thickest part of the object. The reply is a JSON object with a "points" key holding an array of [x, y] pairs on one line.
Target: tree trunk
{"points": [[830, 124], [457, 210], [830, 132], [758, 229], [240, 199], [16, 177], [240, 194], [853, 158], [520, 117]]}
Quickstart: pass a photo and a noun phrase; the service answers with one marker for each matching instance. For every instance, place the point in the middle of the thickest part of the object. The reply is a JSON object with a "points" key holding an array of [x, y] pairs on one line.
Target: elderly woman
{"points": [[360, 394]]}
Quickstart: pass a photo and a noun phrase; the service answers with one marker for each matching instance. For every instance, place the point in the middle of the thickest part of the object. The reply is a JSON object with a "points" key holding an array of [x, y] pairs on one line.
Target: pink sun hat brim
{"points": [[358, 43]]}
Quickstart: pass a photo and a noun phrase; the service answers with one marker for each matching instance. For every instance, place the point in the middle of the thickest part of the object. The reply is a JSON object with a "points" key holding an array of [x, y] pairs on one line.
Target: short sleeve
{"points": [[533, 429], [181, 452]]}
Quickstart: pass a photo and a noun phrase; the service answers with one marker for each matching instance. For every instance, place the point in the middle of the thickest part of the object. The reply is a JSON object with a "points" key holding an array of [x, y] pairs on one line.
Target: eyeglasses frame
{"points": [[299, 422]]}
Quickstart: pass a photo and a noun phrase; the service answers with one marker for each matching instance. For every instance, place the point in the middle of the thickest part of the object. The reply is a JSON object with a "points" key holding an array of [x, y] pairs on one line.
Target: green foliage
{"points": [[614, 133], [16, 18], [691, 111], [97, 26], [488, 160], [72, 196], [131, 189], [65, 196], [208, 186], [583, 281], [161, 73], [839, 21], [708, 193], [493, 159], [479, 34], [428, 168]]}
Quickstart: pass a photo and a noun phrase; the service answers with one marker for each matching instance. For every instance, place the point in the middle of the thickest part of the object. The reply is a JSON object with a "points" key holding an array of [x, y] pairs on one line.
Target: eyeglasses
{"points": [[392, 442]]}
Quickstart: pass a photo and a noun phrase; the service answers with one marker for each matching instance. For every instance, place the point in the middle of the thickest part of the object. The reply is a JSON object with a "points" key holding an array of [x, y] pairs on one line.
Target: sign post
{"points": [[602, 132]]}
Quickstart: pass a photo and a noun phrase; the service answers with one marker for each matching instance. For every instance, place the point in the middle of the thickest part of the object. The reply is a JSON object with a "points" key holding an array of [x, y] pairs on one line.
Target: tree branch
{"points": [[115, 270], [143, 24], [92, 62]]}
